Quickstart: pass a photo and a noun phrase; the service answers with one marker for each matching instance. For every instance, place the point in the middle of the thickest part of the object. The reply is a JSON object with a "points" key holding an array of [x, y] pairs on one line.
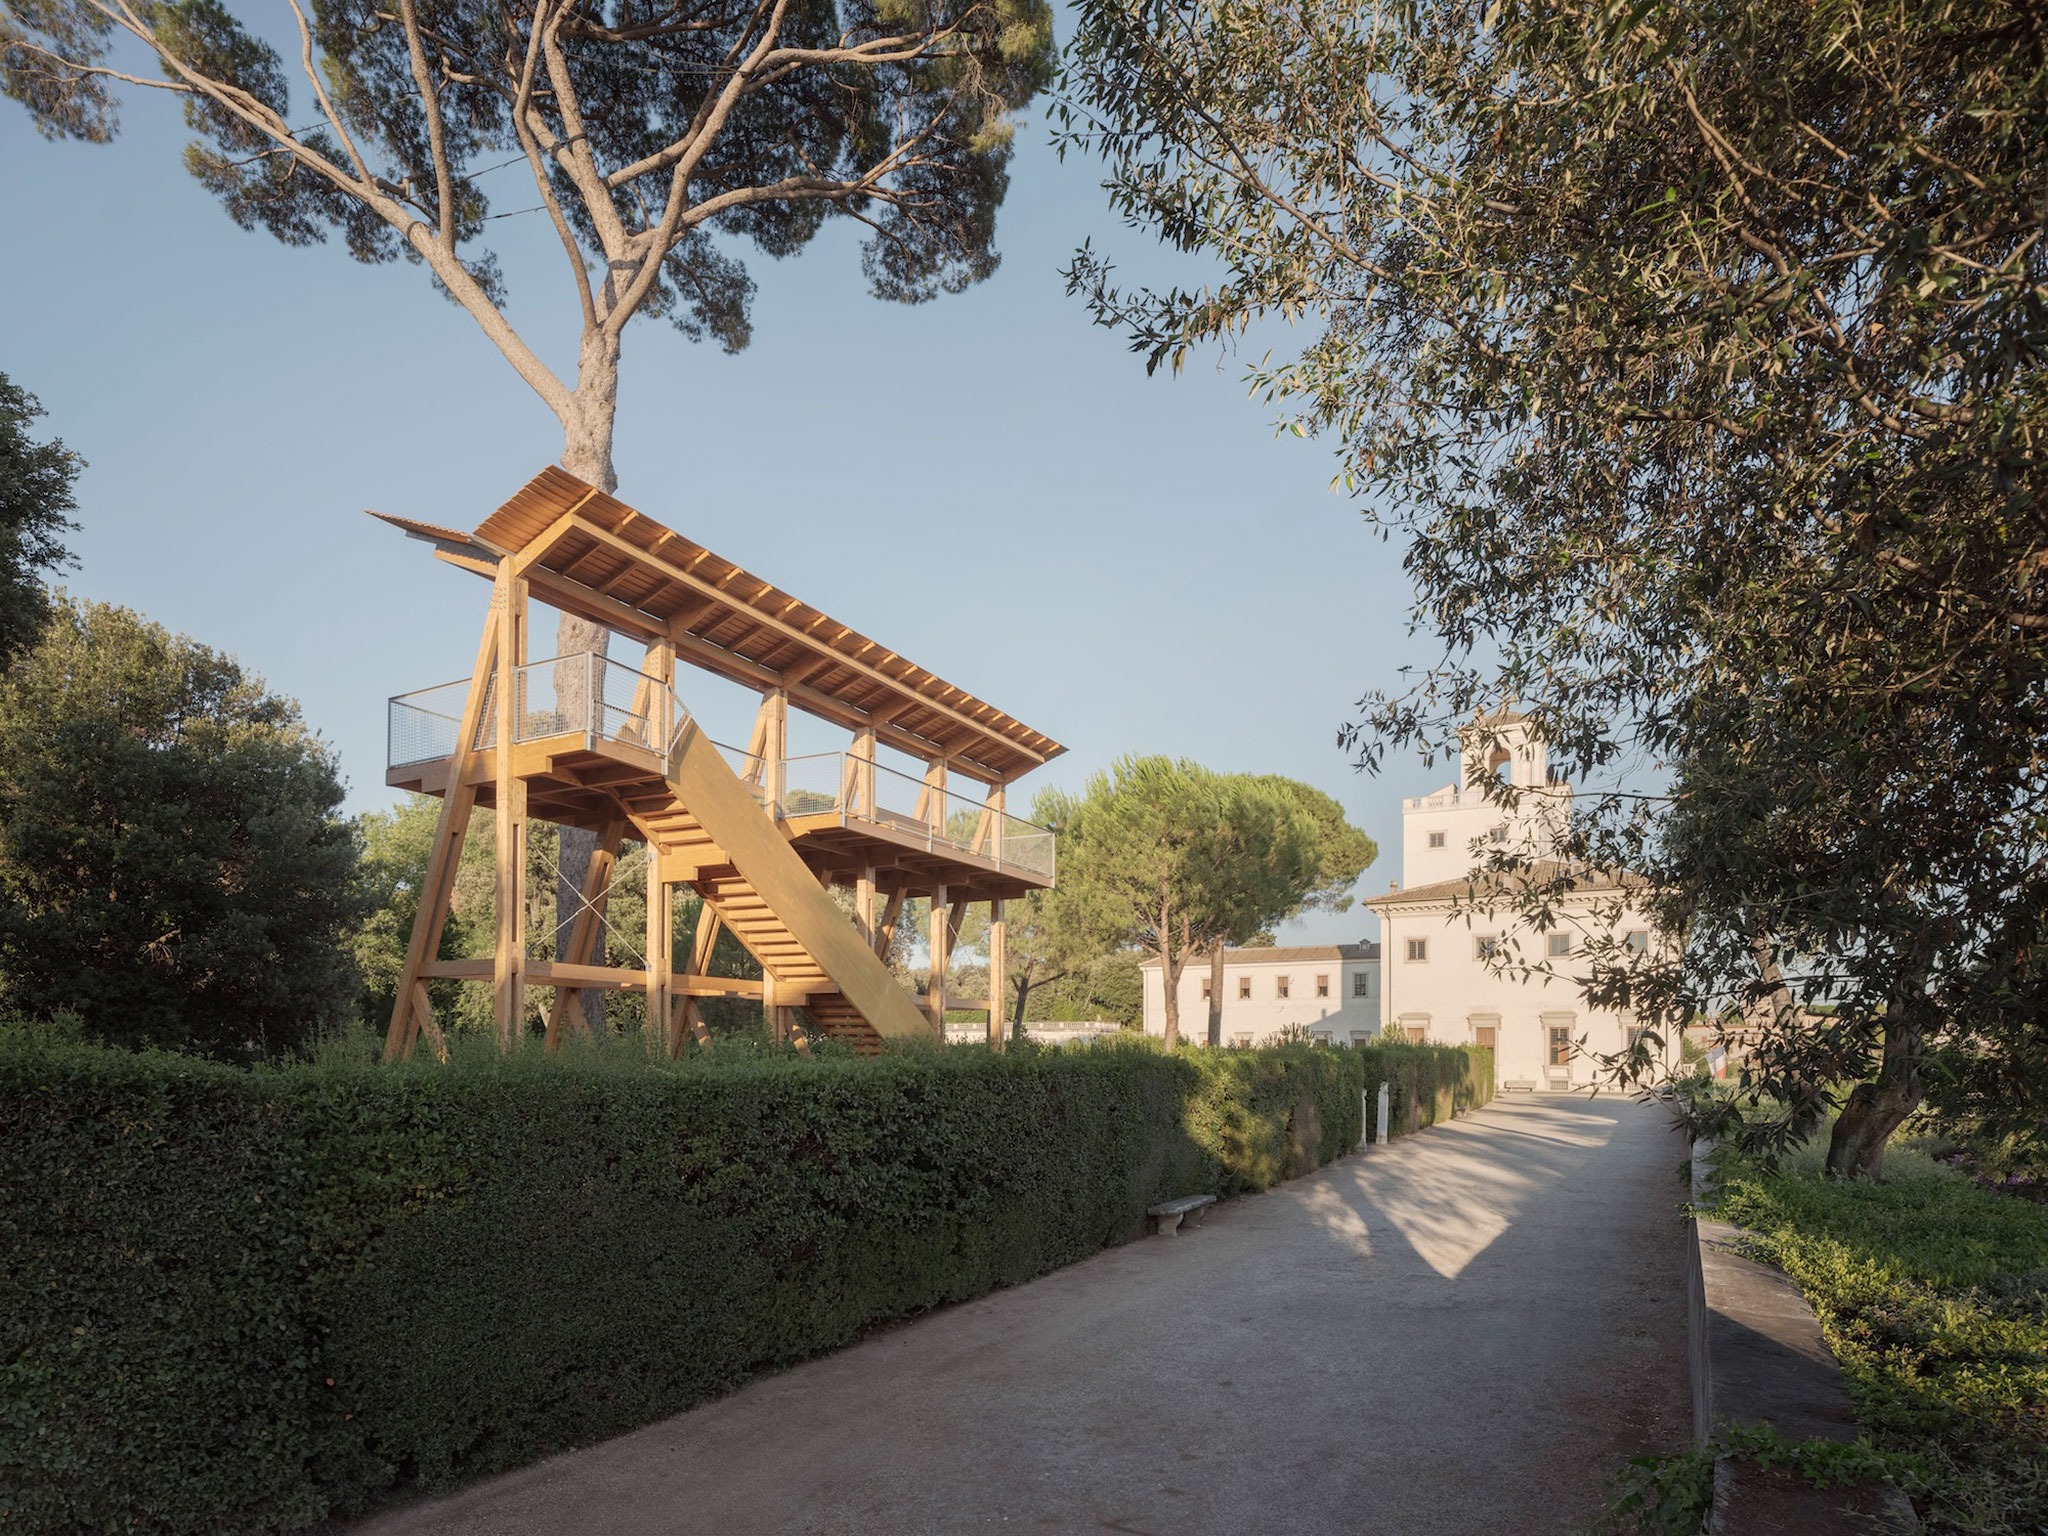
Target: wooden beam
{"points": [[428, 1025], [601, 978], [885, 931], [575, 597], [539, 549], [705, 940], [437, 887]]}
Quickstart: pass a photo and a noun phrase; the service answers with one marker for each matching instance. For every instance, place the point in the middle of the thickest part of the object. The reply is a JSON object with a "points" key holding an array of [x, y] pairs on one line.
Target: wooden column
{"points": [[862, 763], [509, 970], [660, 952], [998, 973], [771, 1012], [864, 902], [998, 935], [659, 673], [931, 799], [775, 747], [940, 941]]}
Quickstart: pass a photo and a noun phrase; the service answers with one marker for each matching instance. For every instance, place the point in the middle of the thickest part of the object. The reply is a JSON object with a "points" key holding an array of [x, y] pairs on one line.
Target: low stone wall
{"points": [[1758, 1357]]}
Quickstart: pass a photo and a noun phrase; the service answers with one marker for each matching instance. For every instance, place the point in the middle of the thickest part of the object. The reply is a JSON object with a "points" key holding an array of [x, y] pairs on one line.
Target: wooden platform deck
{"points": [[580, 780]]}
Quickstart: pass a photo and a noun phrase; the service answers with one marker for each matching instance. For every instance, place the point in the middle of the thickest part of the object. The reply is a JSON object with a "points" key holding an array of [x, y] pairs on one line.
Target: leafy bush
{"points": [[241, 1300], [1426, 1083], [173, 869]]}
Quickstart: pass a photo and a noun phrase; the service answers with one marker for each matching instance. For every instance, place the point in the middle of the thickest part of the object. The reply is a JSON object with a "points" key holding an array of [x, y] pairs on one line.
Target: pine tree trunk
{"points": [[1875, 1110], [1169, 974], [1216, 996], [586, 454]]}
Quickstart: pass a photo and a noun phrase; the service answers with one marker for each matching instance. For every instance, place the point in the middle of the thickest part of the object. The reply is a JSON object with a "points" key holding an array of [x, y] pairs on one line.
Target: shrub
{"points": [[1426, 1083], [1933, 1294], [242, 1300]]}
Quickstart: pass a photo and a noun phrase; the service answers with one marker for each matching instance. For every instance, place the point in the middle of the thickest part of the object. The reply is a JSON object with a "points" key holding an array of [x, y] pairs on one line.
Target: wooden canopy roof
{"points": [[588, 554]]}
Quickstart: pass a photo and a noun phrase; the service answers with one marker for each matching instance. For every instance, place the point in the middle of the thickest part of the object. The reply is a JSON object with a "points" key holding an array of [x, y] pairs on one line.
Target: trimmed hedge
{"points": [[1427, 1083], [243, 1300]]}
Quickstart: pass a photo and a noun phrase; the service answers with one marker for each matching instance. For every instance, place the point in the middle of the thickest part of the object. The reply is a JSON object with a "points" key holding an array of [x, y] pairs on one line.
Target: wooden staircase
{"points": [[705, 816]]}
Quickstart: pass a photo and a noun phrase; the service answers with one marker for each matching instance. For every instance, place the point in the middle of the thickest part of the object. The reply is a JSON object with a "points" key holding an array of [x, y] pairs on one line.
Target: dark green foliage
{"points": [[304, 1288], [1933, 1294], [1427, 1083], [153, 1369], [35, 495], [172, 866], [1694, 354]]}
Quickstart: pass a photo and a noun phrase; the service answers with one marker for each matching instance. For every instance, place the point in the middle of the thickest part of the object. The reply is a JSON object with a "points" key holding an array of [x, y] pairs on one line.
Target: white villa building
{"points": [[1438, 933], [1331, 990]]}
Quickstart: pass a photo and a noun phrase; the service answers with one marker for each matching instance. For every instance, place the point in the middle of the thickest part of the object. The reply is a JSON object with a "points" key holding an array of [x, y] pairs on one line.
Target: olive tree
{"points": [[1694, 354]]}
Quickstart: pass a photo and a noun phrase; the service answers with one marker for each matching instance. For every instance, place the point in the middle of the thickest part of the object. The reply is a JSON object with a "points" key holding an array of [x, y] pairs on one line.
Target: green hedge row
{"points": [[1427, 1083], [246, 1300]]}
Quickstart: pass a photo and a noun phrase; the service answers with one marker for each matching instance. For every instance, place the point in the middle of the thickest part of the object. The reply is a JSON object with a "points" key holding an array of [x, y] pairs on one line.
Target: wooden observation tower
{"points": [[761, 836]]}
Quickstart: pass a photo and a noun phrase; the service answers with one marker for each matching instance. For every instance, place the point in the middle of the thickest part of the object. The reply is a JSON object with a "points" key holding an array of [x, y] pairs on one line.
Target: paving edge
{"points": [[1757, 1356]]}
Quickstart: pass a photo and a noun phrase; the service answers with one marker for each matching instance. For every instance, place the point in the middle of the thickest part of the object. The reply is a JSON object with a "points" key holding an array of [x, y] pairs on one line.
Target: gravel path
{"points": [[1465, 1331]]}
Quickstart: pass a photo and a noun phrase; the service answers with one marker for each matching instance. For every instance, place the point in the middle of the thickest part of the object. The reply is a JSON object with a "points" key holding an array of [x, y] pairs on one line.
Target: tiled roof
{"points": [[1542, 874], [1285, 953]]}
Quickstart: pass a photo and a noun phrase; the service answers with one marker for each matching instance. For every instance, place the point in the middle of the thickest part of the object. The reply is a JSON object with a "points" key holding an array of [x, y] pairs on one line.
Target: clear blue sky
{"points": [[988, 483]]}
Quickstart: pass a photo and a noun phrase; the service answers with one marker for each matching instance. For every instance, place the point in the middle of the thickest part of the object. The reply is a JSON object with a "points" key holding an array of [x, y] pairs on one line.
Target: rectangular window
{"points": [[1360, 1038], [1206, 989], [1244, 988], [1280, 986], [1240, 1042], [1416, 1032], [1322, 1037], [1436, 839], [1560, 944], [1500, 833], [1486, 946], [1418, 949], [1485, 1034], [1560, 1044], [1361, 984], [1322, 986], [1635, 1033], [1638, 942]]}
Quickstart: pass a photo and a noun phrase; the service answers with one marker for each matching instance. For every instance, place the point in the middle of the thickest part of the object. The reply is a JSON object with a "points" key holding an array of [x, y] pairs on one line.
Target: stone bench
{"points": [[1168, 1213], [1523, 1084]]}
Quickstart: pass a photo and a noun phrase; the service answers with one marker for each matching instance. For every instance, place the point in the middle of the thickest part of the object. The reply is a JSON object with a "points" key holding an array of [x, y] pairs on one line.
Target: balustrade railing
{"points": [[584, 695], [605, 700], [852, 787]]}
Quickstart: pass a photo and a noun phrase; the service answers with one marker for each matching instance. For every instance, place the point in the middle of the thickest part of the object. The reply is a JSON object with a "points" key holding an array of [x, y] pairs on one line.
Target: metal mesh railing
{"points": [[850, 787], [589, 695], [423, 726], [592, 695]]}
